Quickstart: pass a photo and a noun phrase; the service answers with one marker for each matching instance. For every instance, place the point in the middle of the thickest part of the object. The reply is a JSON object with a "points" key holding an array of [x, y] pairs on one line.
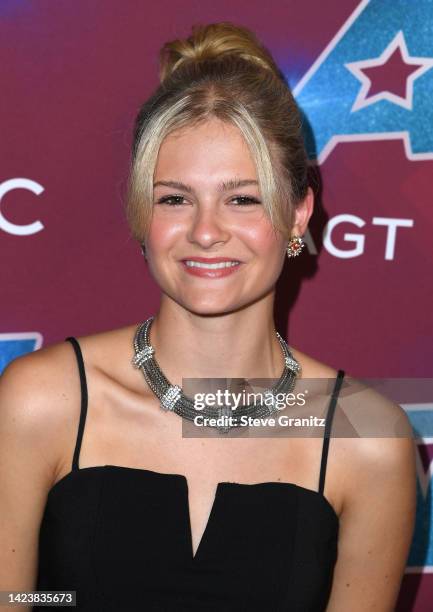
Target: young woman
{"points": [[112, 501]]}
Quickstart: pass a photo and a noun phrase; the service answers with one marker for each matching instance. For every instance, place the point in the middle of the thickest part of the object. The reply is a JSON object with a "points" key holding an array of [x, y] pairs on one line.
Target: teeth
{"points": [[211, 266]]}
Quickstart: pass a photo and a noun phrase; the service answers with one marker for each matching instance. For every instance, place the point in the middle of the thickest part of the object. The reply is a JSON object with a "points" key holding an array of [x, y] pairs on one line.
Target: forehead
{"points": [[211, 148]]}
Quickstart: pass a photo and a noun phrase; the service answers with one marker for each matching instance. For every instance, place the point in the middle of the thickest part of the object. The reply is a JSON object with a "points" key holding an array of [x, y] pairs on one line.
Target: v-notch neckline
{"points": [[210, 518], [182, 478]]}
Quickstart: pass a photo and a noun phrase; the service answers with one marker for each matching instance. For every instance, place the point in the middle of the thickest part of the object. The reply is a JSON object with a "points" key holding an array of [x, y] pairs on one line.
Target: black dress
{"points": [[121, 538]]}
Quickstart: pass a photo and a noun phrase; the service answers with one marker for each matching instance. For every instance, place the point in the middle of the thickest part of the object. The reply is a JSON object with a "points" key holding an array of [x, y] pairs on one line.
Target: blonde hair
{"points": [[222, 71]]}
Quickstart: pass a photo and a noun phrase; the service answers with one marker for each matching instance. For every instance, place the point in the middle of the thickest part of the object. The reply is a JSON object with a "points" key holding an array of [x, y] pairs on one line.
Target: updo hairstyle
{"points": [[222, 70]]}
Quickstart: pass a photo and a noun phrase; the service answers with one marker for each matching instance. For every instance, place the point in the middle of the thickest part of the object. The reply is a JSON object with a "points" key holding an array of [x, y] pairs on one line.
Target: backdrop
{"points": [[73, 76]]}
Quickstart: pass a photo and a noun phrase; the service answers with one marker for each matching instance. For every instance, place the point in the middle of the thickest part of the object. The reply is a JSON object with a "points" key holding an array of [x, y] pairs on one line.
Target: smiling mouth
{"points": [[210, 266]]}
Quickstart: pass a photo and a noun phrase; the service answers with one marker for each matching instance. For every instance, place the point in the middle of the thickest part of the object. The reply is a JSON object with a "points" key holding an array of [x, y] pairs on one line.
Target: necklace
{"points": [[172, 397]]}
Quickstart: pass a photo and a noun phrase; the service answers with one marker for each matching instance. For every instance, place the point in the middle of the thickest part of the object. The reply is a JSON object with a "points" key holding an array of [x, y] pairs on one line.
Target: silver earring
{"points": [[295, 246], [143, 250]]}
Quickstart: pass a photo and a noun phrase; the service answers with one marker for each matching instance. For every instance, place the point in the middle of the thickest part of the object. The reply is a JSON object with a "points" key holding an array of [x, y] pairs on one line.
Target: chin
{"points": [[209, 309]]}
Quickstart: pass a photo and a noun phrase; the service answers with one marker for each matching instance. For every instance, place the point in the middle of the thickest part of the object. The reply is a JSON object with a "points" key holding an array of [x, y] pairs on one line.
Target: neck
{"points": [[240, 344]]}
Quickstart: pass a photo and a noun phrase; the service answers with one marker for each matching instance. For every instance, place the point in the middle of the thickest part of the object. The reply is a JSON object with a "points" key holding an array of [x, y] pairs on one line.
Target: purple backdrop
{"points": [[73, 77]]}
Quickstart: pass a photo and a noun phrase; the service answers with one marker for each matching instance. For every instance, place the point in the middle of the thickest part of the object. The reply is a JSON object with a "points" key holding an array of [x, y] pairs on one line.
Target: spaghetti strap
{"points": [[83, 411], [328, 425]]}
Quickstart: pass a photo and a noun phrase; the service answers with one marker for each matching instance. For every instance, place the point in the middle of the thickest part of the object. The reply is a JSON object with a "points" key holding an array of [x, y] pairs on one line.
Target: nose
{"points": [[207, 228]]}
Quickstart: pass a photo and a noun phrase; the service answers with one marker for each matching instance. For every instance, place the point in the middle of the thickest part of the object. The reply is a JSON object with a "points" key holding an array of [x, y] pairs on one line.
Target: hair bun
{"points": [[212, 41]]}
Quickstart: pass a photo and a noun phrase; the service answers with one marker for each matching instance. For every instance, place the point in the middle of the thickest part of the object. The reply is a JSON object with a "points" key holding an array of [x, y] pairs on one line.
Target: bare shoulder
{"points": [[371, 478], [372, 437], [381, 447], [365, 412], [37, 394], [40, 393], [37, 399], [377, 475], [375, 464], [32, 383], [109, 351], [311, 367]]}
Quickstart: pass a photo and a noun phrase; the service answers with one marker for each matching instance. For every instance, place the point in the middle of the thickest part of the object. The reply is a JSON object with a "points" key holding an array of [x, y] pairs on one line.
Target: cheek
{"points": [[162, 234], [264, 242]]}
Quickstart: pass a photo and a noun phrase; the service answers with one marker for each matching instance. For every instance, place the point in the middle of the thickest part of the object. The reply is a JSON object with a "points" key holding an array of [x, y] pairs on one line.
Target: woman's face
{"points": [[201, 214]]}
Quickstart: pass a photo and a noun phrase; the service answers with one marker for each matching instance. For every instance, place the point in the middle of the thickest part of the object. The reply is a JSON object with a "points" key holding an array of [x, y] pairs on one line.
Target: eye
{"points": [[176, 200], [245, 200], [171, 200]]}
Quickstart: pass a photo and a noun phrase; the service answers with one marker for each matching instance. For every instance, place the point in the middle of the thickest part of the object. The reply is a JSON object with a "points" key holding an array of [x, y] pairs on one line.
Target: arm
{"points": [[376, 524], [27, 464]]}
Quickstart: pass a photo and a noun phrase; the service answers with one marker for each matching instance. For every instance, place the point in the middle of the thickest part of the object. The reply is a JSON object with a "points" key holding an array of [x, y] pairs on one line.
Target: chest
{"points": [[112, 532]]}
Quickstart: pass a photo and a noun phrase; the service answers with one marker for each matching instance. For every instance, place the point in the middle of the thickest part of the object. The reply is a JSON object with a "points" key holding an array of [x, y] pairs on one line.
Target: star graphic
{"points": [[389, 76]]}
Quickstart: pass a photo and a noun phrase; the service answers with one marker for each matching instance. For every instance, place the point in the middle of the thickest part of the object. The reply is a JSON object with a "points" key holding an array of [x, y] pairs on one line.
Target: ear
{"points": [[302, 214]]}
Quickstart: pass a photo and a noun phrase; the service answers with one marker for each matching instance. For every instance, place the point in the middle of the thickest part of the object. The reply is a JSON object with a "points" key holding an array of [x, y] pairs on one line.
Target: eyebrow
{"points": [[224, 186]]}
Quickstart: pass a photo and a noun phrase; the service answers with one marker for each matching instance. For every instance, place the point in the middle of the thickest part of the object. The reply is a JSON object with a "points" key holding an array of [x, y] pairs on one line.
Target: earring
{"points": [[295, 246], [143, 250]]}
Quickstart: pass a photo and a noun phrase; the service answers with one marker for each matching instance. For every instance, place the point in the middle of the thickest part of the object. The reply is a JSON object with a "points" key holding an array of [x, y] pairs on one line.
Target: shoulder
{"points": [[33, 382], [384, 449], [377, 479], [38, 392], [366, 412], [311, 367], [377, 476], [372, 437], [372, 480], [49, 375], [107, 351], [375, 448], [37, 400]]}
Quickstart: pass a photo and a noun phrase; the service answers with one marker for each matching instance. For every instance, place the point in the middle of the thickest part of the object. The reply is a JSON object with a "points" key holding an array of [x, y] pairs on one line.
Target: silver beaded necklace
{"points": [[172, 397]]}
